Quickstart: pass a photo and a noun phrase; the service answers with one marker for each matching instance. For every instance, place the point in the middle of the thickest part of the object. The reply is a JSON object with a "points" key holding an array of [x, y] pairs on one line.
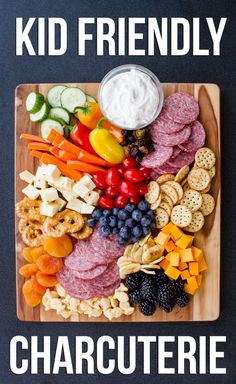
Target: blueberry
{"points": [[129, 207], [130, 223], [137, 231], [143, 205], [134, 239], [125, 232], [123, 215], [97, 213], [150, 214], [107, 212], [91, 223], [115, 231], [121, 240], [121, 223], [115, 211], [112, 221], [145, 221], [105, 230], [137, 215], [146, 230], [103, 220]]}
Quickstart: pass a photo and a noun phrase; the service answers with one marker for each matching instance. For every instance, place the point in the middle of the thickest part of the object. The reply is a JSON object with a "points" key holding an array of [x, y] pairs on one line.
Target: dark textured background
{"points": [[71, 68]]}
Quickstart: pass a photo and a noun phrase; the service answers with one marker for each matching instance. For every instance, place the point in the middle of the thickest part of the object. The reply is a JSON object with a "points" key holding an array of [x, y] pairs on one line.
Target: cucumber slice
{"points": [[34, 102], [49, 124], [60, 113], [54, 95], [90, 98], [42, 114], [72, 97]]}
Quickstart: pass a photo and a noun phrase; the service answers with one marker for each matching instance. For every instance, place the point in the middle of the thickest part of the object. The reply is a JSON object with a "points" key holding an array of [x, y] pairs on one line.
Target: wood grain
{"points": [[204, 306]]}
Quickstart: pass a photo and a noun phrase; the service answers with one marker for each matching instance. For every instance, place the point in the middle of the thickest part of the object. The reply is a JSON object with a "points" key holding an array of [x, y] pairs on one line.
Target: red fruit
{"points": [[127, 188], [112, 177], [99, 180], [120, 169], [129, 162], [135, 199], [145, 171], [133, 175], [141, 188], [121, 201], [111, 191], [106, 202]]}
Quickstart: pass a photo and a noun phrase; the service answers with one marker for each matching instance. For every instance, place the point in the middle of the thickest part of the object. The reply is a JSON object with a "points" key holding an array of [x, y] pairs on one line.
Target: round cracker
{"points": [[207, 189], [197, 222], [208, 204], [198, 179], [162, 218], [170, 191], [153, 192], [182, 173], [177, 187], [164, 178], [181, 216], [166, 207], [166, 198], [156, 204], [192, 200], [186, 187], [205, 158], [212, 172]]}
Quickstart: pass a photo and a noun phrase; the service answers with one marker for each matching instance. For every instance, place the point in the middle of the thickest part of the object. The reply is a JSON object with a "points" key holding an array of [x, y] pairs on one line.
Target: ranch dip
{"points": [[130, 99]]}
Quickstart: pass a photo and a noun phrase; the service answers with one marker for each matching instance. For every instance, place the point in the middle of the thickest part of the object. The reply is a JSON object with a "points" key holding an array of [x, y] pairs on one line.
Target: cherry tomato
{"points": [[145, 171], [141, 188], [134, 175], [120, 169], [121, 201], [127, 188], [106, 202], [99, 180], [135, 199], [129, 162], [111, 191], [112, 177]]}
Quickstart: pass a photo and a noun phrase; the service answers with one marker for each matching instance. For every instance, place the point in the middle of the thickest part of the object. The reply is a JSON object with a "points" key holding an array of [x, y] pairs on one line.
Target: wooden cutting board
{"points": [[205, 304]]}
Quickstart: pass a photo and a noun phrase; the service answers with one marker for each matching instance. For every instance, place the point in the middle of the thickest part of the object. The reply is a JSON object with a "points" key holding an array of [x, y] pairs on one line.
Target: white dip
{"points": [[130, 99]]}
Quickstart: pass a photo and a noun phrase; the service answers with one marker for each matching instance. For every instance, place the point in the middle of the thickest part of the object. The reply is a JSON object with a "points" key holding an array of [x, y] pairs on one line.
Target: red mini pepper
{"points": [[80, 136]]}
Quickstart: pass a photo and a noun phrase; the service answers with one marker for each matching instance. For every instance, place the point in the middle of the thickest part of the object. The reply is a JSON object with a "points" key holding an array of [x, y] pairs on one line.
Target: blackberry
{"points": [[182, 299], [132, 281], [148, 290], [167, 307], [147, 308], [160, 278], [165, 293], [134, 296]]}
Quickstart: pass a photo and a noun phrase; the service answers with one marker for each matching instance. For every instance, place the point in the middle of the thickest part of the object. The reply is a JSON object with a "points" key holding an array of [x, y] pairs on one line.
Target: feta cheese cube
{"points": [[87, 209], [91, 198], [80, 189], [49, 209], [31, 192], [68, 195], [52, 171], [41, 184], [27, 176], [40, 173], [64, 183], [88, 182], [49, 194], [61, 203], [75, 205]]}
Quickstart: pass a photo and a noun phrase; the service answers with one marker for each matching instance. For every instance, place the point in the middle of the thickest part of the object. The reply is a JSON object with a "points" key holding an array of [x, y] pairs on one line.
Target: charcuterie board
{"points": [[204, 306]]}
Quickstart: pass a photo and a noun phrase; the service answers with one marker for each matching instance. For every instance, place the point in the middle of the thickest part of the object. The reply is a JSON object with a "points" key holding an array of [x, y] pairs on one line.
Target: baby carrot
{"points": [[84, 167], [38, 146], [28, 137]]}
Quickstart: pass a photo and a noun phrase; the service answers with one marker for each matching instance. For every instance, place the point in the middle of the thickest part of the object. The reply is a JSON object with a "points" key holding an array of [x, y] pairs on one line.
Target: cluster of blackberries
{"points": [[149, 290], [137, 143]]}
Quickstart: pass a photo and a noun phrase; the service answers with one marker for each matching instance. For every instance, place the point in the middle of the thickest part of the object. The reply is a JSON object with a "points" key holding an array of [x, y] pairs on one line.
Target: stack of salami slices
{"points": [[176, 135], [91, 269]]}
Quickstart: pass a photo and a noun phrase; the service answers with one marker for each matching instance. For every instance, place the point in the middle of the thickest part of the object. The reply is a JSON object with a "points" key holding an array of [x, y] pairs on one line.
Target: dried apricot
{"points": [[28, 270], [46, 280], [58, 246], [27, 254], [32, 297], [49, 264], [36, 286], [36, 252]]}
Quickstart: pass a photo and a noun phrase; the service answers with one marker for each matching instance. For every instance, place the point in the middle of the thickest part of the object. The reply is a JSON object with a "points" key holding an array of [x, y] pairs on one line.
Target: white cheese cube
{"points": [[40, 173], [75, 205], [49, 194], [68, 195], [91, 198], [61, 203], [87, 209], [31, 192], [80, 189], [52, 171], [27, 176], [88, 182], [64, 183], [41, 184], [49, 209]]}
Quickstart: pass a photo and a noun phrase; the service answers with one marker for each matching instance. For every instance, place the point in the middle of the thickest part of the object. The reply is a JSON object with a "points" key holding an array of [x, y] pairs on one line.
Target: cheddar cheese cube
{"points": [[186, 255], [185, 274], [202, 265], [174, 259], [187, 289], [197, 253], [193, 268], [184, 242], [170, 246], [162, 238], [192, 283], [172, 272], [168, 257], [175, 233], [199, 279], [164, 264], [167, 228], [182, 265]]}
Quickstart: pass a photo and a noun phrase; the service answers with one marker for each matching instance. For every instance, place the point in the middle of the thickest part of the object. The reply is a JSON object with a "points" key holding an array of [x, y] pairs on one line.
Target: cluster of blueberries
{"points": [[130, 223]]}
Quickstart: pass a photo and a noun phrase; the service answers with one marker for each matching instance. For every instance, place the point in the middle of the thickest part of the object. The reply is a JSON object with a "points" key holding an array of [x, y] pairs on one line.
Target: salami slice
{"points": [[181, 107], [167, 168], [196, 139], [158, 157], [173, 139], [165, 125], [184, 158], [106, 246], [91, 273], [176, 152]]}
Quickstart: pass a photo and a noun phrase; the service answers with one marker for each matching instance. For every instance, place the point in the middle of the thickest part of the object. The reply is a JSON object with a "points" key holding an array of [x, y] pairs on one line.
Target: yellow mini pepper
{"points": [[105, 145]]}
